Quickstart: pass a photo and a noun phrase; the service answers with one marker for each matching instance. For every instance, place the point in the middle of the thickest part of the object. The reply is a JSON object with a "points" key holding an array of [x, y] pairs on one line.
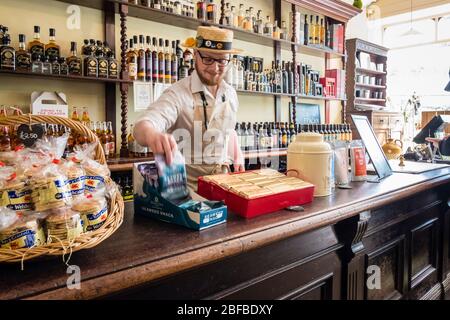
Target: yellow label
{"points": [[24, 239], [95, 220], [16, 200]]}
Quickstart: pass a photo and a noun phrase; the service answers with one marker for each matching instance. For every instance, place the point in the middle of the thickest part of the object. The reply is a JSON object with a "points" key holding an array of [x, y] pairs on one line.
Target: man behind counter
{"points": [[198, 111]]}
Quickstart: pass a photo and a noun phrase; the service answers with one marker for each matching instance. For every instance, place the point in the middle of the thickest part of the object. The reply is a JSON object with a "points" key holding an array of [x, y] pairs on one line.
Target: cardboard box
{"points": [[49, 104], [148, 202]]}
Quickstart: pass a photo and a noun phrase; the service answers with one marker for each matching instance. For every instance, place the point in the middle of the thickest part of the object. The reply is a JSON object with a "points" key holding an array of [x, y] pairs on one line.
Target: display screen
{"points": [[376, 154]]}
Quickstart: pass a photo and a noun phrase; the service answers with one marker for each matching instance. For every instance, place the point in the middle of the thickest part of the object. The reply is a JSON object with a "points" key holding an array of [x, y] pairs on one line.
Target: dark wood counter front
{"points": [[400, 226]]}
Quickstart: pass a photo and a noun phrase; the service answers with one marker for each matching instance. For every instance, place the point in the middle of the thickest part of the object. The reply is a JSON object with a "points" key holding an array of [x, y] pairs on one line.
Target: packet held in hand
{"points": [[172, 180]]}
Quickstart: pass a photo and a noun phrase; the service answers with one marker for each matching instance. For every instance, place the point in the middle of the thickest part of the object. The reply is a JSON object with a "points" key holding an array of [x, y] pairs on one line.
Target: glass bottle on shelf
{"points": [[276, 31], [211, 12], [174, 63], [103, 64], [112, 141], [7, 54], [23, 57], [36, 46], [259, 25], [306, 31], [228, 21], [168, 63], [63, 67], [141, 60], [155, 61], [52, 49], [317, 32], [74, 62], [322, 33], [247, 21], [75, 116], [56, 67], [161, 62], [191, 67], [240, 72], [46, 65], [104, 140], [148, 60], [113, 66], [235, 17], [85, 48], [201, 10], [132, 62], [36, 65], [241, 16], [91, 62], [268, 29], [85, 116], [131, 143], [311, 31]]}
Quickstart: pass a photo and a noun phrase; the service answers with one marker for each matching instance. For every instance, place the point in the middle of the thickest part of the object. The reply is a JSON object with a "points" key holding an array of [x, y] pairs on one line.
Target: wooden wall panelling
{"points": [[286, 269]]}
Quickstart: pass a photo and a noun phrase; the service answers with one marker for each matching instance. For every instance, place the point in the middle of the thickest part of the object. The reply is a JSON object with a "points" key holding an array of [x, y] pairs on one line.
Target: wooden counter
{"points": [[400, 225]]}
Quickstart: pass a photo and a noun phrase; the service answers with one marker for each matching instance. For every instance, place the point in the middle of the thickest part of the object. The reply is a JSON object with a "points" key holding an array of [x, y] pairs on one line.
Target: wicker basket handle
{"points": [[73, 125]]}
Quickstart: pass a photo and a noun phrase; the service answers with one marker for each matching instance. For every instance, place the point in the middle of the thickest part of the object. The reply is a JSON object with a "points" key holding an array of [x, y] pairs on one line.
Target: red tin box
{"points": [[250, 208]]}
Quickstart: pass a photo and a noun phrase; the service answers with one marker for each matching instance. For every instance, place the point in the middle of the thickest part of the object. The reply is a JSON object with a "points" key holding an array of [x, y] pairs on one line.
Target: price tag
{"points": [[28, 135]]}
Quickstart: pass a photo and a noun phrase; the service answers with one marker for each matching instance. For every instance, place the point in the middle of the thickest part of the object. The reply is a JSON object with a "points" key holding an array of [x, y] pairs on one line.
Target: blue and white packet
{"points": [[172, 180]]}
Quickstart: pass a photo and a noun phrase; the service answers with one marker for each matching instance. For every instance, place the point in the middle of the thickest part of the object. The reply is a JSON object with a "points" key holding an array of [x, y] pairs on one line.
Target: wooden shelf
{"points": [[125, 164], [373, 107], [247, 92], [371, 86], [321, 98], [375, 72], [318, 51], [370, 100], [61, 77]]}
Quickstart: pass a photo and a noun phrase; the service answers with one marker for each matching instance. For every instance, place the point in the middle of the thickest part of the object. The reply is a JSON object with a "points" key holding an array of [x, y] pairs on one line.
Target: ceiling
{"points": [[395, 7]]}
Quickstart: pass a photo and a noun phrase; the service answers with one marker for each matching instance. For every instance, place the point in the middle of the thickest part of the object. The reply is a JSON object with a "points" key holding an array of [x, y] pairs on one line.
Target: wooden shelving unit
{"points": [[62, 77]]}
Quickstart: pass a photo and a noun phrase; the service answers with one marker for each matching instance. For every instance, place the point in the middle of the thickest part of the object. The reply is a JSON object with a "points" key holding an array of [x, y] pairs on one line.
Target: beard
{"points": [[208, 79]]}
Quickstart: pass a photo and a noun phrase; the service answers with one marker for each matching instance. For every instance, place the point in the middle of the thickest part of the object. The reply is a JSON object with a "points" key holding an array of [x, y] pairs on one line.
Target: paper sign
{"points": [[49, 104], [143, 95]]}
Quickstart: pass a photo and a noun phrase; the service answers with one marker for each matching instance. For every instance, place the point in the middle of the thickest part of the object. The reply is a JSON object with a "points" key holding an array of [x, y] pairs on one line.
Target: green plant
{"points": [[358, 4]]}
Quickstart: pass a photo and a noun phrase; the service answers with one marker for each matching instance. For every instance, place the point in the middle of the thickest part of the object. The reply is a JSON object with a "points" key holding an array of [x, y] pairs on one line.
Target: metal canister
{"points": [[311, 158]]}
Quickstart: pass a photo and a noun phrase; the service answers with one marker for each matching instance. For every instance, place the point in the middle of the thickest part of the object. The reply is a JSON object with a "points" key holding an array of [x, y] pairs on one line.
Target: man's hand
{"points": [[239, 168], [160, 143]]}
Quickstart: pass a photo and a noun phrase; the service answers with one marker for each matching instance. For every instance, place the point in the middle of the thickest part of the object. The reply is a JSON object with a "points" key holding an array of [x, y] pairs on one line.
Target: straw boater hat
{"points": [[212, 39]]}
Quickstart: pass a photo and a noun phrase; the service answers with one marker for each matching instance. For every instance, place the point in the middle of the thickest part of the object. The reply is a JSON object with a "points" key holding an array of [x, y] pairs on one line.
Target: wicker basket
{"points": [[85, 240]]}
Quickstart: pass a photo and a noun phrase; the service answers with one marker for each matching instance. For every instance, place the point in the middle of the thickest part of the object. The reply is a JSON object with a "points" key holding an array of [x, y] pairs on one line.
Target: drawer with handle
{"points": [[381, 122]]}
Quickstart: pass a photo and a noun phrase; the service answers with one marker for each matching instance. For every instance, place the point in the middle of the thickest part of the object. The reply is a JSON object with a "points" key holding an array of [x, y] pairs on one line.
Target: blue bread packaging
{"points": [[161, 192]]}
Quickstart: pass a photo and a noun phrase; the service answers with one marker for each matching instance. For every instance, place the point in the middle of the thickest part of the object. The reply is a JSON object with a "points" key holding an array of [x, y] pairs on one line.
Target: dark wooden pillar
{"points": [[110, 88], [123, 10]]}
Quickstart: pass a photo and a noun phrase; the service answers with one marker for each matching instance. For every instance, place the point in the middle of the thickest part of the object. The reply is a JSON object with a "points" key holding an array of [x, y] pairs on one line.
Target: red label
{"points": [[360, 162]]}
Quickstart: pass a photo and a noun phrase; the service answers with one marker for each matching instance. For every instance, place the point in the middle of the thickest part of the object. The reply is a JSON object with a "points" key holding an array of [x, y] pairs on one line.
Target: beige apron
{"points": [[221, 117]]}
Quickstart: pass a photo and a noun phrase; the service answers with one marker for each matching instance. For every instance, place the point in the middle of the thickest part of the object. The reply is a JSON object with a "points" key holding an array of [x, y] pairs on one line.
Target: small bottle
{"points": [[201, 10], [141, 74], [112, 141], [75, 116], [131, 143], [91, 62], [74, 62], [148, 60], [113, 66], [322, 33], [46, 65], [211, 11], [56, 67], [317, 31], [85, 116], [23, 57], [155, 61], [52, 49], [268, 27], [132, 61], [36, 65], [228, 21], [168, 63], [174, 63], [276, 31], [311, 31], [63, 67], [283, 31], [241, 16], [103, 63], [104, 140], [7, 55], [36, 46], [306, 31], [161, 62]]}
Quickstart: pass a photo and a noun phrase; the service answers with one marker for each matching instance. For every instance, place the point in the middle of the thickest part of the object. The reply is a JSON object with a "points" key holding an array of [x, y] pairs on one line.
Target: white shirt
{"points": [[175, 107]]}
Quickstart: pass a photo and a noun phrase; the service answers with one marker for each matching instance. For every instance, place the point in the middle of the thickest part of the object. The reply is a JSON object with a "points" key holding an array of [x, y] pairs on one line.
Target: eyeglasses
{"points": [[209, 61]]}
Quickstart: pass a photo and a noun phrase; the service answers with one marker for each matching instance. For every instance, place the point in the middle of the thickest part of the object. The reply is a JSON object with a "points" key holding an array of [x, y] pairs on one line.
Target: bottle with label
{"points": [[148, 60], [112, 141], [184, 70], [56, 67], [36, 64], [104, 140], [74, 62], [322, 33], [201, 10], [132, 61], [283, 31], [311, 31], [91, 62], [113, 66], [75, 116], [306, 31], [7, 54], [259, 25], [161, 62], [276, 30], [103, 63], [141, 74], [228, 21], [23, 57], [63, 67], [36, 46], [268, 28], [240, 16], [155, 61], [52, 49], [85, 116], [168, 63], [85, 48], [131, 143], [235, 17], [174, 63], [317, 31], [191, 67], [46, 65], [211, 12]]}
